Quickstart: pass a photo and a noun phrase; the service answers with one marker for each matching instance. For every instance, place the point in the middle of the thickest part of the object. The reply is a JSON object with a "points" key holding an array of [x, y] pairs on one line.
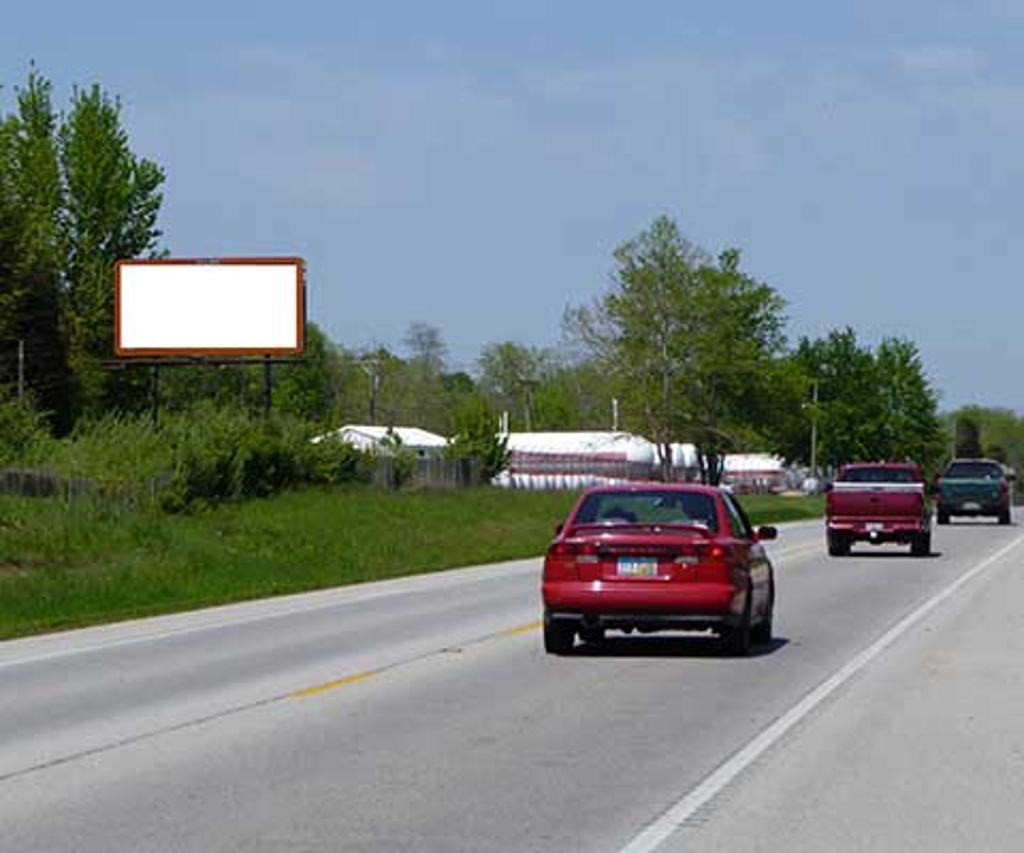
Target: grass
{"points": [[64, 567]]}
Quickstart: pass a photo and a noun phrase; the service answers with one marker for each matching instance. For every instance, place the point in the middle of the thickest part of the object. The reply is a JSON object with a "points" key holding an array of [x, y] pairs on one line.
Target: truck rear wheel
{"points": [[838, 545]]}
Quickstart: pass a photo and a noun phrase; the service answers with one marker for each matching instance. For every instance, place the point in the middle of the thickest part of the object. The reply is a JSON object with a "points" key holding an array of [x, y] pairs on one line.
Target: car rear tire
{"points": [[838, 546], [737, 639], [1004, 517], [922, 545], [943, 517], [592, 635], [558, 638], [762, 631]]}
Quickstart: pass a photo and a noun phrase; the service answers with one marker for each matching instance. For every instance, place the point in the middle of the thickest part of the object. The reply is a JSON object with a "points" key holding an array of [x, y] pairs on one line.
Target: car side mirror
{"points": [[559, 527], [828, 488], [767, 533]]}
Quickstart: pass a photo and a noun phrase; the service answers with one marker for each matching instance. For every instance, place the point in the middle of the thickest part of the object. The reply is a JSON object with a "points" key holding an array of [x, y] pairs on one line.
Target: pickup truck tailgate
{"points": [[849, 501]]}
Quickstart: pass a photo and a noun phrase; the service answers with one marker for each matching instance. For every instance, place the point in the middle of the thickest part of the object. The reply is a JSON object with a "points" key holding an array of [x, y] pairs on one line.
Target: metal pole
{"points": [[615, 414], [268, 387], [154, 395], [21, 370], [814, 431]]}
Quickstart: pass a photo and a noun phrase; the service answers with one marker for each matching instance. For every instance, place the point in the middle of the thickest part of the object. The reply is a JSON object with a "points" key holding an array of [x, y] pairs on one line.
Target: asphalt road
{"points": [[422, 715]]}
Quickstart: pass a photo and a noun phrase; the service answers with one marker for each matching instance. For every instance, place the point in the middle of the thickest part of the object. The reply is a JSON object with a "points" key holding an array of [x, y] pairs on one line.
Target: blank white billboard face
{"points": [[228, 307]]}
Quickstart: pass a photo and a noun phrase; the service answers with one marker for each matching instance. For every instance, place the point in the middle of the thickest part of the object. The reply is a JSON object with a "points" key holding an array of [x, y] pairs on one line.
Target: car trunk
{"points": [[632, 557]]}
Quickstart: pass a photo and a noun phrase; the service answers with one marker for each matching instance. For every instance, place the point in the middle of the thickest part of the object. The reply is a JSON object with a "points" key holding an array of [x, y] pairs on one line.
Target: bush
{"points": [[331, 462], [22, 429], [192, 460]]}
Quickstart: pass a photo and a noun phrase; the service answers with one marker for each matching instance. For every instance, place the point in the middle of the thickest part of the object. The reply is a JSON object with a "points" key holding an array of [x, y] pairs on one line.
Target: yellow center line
{"points": [[332, 685], [522, 629]]}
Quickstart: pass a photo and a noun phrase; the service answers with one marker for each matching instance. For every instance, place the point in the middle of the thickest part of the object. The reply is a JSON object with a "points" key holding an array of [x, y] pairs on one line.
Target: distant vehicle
{"points": [[974, 487], [877, 503], [654, 558]]}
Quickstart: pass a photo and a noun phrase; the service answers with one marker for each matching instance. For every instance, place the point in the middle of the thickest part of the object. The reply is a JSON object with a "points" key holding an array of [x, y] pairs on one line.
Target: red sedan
{"points": [[655, 558]]}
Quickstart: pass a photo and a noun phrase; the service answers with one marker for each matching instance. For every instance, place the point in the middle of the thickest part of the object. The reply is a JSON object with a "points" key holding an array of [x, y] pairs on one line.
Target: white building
{"points": [[375, 439], [576, 460]]}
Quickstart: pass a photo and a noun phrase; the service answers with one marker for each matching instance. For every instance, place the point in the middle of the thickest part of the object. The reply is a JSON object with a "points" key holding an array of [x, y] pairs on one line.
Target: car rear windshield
{"points": [[880, 474], [974, 471], [649, 507]]}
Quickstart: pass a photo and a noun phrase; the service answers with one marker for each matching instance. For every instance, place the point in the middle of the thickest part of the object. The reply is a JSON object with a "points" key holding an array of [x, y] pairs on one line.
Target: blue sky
{"points": [[473, 164]]}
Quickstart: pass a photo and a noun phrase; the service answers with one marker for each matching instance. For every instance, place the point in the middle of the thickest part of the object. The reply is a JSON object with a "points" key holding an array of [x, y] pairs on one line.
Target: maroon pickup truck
{"points": [[876, 503]]}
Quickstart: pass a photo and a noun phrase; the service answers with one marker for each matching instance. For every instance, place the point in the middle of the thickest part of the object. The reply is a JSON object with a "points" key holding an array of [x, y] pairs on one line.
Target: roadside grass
{"points": [[89, 563]]}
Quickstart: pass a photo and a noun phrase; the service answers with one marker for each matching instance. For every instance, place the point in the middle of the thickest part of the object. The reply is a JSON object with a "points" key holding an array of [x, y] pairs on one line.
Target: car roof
{"points": [[908, 465], [626, 488]]}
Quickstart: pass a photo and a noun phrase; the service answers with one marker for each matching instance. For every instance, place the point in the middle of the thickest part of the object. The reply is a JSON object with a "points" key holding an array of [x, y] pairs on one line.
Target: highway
{"points": [[422, 714]]}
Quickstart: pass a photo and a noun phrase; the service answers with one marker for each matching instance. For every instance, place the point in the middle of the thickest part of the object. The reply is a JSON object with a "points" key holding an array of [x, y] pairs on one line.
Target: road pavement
{"points": [[422, 715]]}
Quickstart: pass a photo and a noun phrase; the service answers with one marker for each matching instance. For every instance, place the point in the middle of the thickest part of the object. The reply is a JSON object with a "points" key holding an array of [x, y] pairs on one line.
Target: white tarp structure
{"points": [[375, 439], [576, 460], [754, 472]]}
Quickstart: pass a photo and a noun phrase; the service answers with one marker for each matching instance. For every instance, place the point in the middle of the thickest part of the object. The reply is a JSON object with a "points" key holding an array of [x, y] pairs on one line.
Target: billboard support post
{"points": [[154, 395], [268, 386]]}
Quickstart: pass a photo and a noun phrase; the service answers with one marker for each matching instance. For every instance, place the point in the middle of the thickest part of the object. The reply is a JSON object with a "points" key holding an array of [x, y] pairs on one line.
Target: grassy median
{"points": [[68, 566]]}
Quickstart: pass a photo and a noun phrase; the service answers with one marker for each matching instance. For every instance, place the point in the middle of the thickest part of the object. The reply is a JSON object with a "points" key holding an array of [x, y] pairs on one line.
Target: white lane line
{"points": [[651, 838]]}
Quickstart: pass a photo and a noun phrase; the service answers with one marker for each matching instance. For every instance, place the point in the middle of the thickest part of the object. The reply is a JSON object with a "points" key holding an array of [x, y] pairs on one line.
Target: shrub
{"points": [[22, 429], [331, 462]]}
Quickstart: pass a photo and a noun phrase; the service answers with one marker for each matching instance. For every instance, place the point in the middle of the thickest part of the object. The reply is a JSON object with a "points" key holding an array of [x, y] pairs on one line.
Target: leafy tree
{"points": [[968, 437], [477, 437], [423, 377], [850, 410], [685, 339], [308, 388], [31, 198], [111, 208], [509, 374], [910, 406]]}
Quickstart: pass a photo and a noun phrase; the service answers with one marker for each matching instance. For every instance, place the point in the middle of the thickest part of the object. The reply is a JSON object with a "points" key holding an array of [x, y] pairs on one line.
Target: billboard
{"points": [[219, 306]]}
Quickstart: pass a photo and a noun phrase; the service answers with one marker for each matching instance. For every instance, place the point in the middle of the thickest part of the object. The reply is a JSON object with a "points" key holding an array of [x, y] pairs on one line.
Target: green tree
{"points": [[509, 375], [111, 208], [31, 198], [968, 437], [423, 377], [910, 420], [850, 411], [476, 436], [685, 341]]}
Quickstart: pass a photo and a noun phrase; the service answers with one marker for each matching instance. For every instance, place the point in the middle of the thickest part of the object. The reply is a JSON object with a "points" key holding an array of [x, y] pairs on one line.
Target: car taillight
{"points": [[563, 558]]}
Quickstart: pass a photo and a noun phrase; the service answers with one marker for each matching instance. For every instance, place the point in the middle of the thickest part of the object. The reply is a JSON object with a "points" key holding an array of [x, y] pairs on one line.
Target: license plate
{"points": [[874, 526], [972, 505], [638, 567]]}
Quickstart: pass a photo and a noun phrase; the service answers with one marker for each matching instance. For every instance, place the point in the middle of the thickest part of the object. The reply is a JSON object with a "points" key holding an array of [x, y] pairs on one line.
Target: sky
{"points": [[473, 164]]}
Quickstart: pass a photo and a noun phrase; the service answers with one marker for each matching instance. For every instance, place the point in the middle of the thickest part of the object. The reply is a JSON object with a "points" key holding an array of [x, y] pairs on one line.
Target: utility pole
{"points": [[615, 414], [21, 370], [371, 365], [814, 429]]}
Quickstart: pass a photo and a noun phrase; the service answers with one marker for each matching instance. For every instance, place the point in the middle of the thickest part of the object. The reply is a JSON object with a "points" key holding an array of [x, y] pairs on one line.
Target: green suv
{"points": [[974, 487]]}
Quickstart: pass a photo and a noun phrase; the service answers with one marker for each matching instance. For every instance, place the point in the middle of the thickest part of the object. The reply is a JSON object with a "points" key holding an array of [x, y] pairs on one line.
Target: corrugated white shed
{"points": [[632, 448], [573, 460], [369, 438]]}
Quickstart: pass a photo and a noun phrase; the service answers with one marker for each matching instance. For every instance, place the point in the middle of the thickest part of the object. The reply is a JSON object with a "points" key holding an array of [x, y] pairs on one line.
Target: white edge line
{"points": [[659, 831]]}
